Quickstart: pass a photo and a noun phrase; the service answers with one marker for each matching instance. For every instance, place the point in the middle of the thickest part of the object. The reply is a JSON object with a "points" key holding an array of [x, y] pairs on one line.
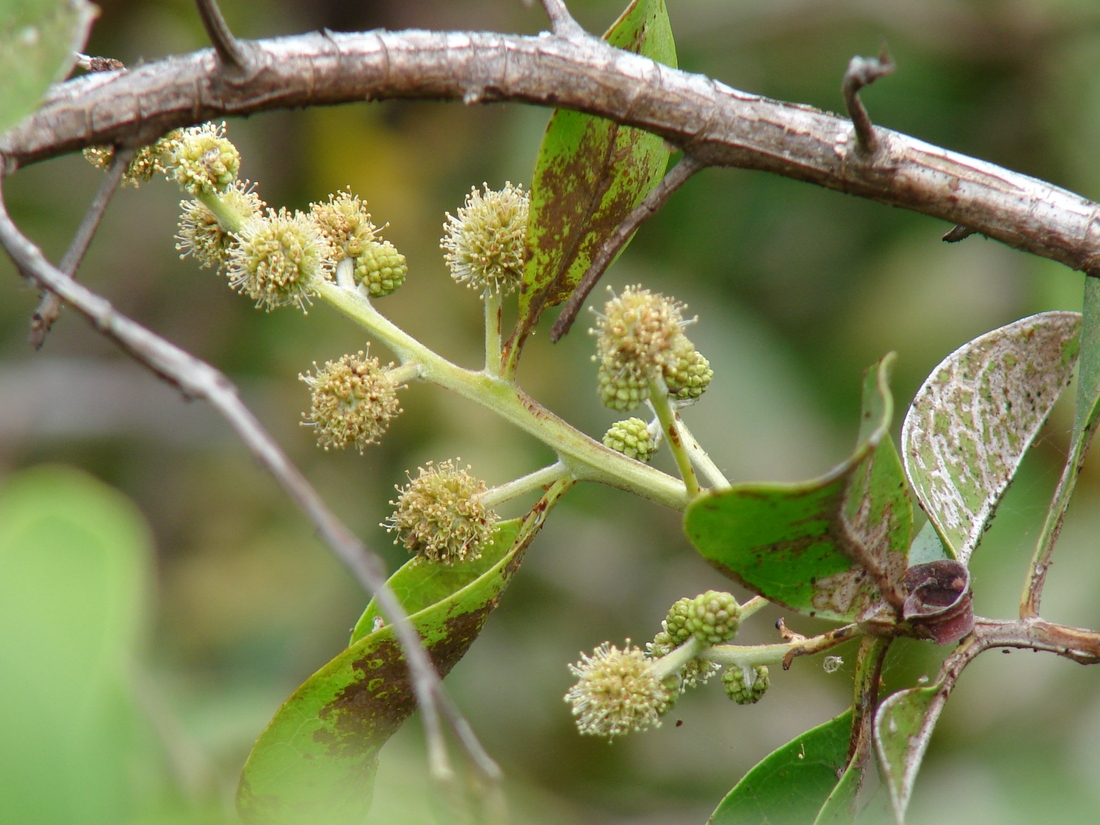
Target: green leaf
{"points": [[903, 727], [838, 807], [833, 547], [790, 785], [590, 174], [74, 563], [974, 418], [927, 546], [317, 758], [39, 40]]}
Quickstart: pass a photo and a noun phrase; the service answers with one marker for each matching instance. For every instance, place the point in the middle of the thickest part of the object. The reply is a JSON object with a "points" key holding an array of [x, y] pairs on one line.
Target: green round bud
{"points": [[485, 246], [381, 269], [200, 234], [345, 223], [677, 622], [353, 401], [745, 684], [688, 377], [713, 617], [621, 388], [278, 259], [616, 692], [440, 516], [631, 438]]}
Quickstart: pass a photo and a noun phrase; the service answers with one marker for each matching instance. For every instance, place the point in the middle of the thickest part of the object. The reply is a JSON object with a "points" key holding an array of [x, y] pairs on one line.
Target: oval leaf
{"points": [[833, 547], [590, 174], [318, 755], [903, 727], [792, 783], [39, 40], [974, 418]]}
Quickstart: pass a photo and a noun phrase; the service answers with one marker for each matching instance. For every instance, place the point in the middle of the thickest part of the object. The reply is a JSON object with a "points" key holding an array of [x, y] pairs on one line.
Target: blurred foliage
{"points": [[799, 289]]}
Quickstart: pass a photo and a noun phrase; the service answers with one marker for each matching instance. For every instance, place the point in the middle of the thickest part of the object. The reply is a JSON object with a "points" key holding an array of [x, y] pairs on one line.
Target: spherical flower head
{"points": [[202, 237], [713, 617], [688, 377], [381, 269], [345, 223], [202, 159], [353, 402], [440, 516], [745, 684], [621, 387], [616, 692], [631, 438], [278, 259], [676, 622], [485, 246]]}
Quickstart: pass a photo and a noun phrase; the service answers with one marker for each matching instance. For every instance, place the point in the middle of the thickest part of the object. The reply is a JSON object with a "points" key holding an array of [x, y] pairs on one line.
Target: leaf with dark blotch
{"points": [[792, 783], [320, 751], [833, 547], [590, 174], [974, 418], [903, 727], [39, 40]]}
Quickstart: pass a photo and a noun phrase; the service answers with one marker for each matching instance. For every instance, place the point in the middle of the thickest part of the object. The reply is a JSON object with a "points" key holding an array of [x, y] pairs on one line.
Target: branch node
{"points": [[863, 71], [231, 52], [561, 21], [958, 233]]}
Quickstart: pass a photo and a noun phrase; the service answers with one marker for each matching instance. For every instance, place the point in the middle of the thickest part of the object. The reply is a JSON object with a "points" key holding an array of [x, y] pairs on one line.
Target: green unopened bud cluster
{"points": [[631, 438], [712, 617], [640, 339], [616, 692], [745, 684], [353, 401], [439, 515]]}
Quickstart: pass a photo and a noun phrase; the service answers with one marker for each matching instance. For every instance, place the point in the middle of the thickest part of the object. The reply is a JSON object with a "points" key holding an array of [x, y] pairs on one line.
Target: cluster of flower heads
{"points": [[640, 342], [619, 691], [440, 516]]}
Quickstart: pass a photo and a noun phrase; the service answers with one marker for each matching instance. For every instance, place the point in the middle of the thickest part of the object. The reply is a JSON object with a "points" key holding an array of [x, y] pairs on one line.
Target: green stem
{"points": [[404, 373], [537, 480], [715, 477], [667, 665], [658, 397], [229, 219], [753, 605], [492, 333], [756, 655], [587, 459]]}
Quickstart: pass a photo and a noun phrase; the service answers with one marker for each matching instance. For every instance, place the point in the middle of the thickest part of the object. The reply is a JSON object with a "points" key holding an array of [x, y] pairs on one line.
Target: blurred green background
{"points": [[234, 602]]}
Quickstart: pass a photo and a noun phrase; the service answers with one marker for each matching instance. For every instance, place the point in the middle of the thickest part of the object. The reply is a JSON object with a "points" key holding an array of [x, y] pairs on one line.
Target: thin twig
{"points": [[197, 379], [561, 21], [49, 309], [649, 207], [863, 71], [91, 63], [229, 50], [958, 233]]}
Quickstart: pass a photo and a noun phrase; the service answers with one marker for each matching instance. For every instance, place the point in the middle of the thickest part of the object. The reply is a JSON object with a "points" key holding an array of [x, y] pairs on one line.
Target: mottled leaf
{"points": [[790, 785], [590, 174], [903, 727], [974, 418], [74, 564], [38, 44], [317, 758], [833, 547]]}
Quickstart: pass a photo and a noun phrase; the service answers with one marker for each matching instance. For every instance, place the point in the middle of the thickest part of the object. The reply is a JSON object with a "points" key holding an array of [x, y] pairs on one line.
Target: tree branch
{"points": [[863, 71], [721, 126], [230, 51], [197, 379]]}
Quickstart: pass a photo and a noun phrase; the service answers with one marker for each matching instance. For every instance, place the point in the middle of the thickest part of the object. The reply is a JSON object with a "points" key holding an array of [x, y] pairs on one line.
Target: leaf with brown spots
{"points": [[834, 547], [589, 176], [317, 758]]}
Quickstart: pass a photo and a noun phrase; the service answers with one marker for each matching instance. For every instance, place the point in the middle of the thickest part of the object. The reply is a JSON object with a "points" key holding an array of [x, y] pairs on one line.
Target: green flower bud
{"points": [[631, 438], [345, 223], [621, 388], [676, 623], [353, 402], [440, 516], [688, 377], [485, 246], [745, 684], [278, 259], [616, 692], [202, 236], [714, 617], [202, 160], [381, 269]]}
